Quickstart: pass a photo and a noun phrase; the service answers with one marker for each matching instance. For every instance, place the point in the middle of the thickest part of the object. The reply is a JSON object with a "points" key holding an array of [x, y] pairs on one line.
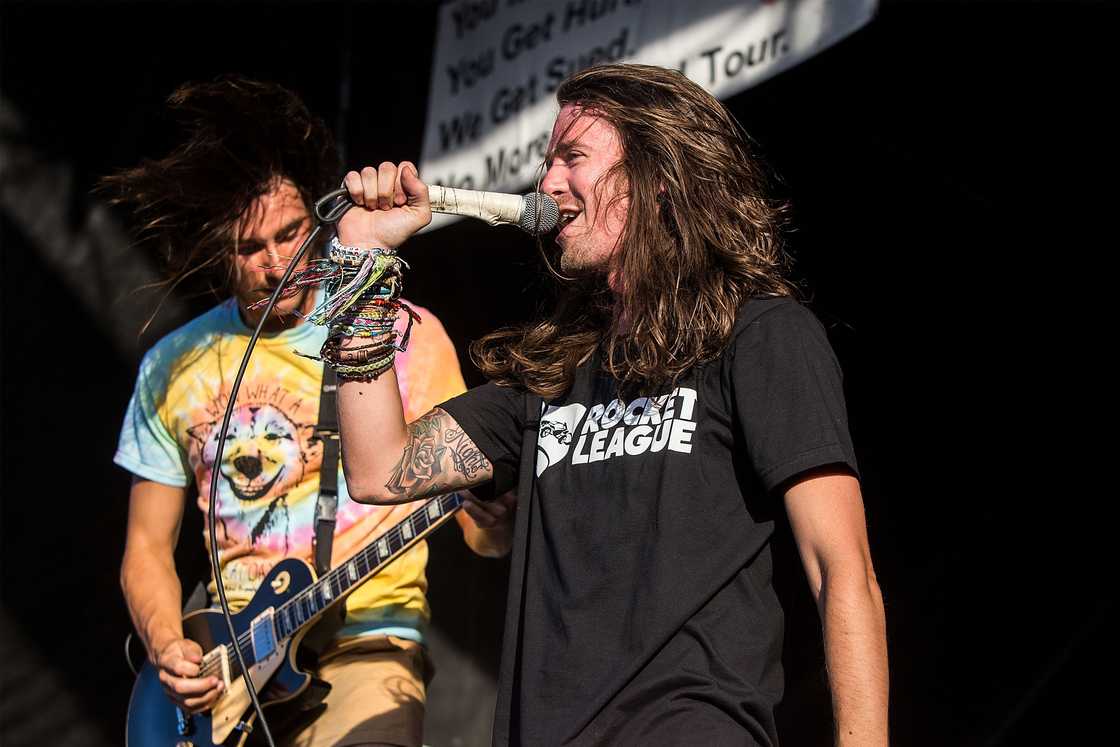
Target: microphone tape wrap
{"points": [[535, 213]]}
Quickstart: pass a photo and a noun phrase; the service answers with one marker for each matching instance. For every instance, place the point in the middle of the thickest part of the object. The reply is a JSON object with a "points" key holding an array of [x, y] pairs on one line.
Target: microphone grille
{"points": [[539, 213]]}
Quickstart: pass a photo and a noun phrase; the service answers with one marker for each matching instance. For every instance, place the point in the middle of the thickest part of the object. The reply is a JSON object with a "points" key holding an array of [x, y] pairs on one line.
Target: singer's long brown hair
{"points": [[702, 236], [239, 137]]}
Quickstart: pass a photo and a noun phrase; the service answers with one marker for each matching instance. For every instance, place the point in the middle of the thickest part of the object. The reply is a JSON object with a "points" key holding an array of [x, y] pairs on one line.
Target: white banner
{"points": [[497, 64]]}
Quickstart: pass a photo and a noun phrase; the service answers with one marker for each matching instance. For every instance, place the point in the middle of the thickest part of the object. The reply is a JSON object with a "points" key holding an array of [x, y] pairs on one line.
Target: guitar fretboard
{"points": [[302, 608], [337, 582]]}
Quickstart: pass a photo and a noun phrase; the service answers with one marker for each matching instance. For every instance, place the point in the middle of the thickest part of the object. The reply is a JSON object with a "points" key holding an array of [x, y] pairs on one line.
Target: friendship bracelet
{"points": [[378, 278], [351, 256]]}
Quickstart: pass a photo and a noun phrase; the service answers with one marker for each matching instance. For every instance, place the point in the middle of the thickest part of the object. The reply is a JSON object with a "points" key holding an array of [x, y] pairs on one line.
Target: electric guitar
{"points": [[269, 630]]}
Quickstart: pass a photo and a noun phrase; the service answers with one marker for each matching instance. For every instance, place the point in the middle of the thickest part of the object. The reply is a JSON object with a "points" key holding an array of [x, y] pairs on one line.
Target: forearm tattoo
{"points": [[438, 458]]}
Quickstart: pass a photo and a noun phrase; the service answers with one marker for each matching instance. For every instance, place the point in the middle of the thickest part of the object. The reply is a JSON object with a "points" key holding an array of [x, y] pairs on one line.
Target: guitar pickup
{"points": [[263, 636]]}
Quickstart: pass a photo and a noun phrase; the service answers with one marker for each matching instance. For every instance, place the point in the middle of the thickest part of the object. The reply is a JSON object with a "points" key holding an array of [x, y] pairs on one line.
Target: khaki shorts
{"points": [[377, 694]]}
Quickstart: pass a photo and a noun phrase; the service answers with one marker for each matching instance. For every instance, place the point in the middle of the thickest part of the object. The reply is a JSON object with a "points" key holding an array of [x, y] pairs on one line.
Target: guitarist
{"points": [[232, 203]]}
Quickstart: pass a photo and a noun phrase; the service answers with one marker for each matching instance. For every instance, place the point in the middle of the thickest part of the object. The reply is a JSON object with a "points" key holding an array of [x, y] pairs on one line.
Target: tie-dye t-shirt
{"points": [[269, 478]]}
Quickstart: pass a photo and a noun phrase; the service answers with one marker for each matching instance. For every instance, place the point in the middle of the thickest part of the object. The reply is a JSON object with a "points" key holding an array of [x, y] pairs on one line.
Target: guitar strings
{"points": [[244, 641]]}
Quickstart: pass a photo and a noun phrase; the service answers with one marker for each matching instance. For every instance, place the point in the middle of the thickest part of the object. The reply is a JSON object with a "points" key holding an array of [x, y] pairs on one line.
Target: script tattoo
{"points": [[464, 454], [439, 457]]}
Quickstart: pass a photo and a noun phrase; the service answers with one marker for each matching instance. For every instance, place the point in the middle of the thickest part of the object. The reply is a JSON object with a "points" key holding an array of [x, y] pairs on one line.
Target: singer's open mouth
{"points": [[567, 216]]}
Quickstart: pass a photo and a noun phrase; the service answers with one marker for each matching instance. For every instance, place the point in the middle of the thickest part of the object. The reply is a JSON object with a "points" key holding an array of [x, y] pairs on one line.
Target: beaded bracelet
{"points": [[366, 372], [348, 256]]}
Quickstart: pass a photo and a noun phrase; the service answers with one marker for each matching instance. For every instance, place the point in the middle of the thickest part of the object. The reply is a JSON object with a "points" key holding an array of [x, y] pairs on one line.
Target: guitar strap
{"points": [[327, 505]]}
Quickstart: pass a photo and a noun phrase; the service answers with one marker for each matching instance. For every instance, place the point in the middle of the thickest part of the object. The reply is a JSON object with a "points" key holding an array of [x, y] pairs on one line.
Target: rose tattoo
{"points": [[434, 451]]}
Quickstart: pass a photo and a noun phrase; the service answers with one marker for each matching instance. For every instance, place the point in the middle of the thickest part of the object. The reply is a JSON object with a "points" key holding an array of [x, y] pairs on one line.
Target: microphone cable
{"points": [[329, 210]]}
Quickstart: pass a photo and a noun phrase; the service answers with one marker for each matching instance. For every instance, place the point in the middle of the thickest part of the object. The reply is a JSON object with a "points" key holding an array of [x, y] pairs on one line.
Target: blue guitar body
{"points": [[155, 720], [288, 603]]}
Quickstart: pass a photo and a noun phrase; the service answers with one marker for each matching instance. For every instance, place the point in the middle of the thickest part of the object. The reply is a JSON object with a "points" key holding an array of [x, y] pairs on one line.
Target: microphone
{"points": [[535, 212]]}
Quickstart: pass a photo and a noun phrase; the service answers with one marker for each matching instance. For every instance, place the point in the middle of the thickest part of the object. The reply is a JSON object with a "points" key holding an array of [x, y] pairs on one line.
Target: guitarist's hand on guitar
{"points": [[178, 664]]}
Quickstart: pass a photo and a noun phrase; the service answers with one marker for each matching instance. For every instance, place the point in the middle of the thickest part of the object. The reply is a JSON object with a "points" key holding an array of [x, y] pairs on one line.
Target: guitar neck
{"points": [[306, 607]]}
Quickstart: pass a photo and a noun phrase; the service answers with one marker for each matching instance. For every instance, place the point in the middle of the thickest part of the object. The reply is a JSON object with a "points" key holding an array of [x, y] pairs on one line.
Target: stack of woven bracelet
{"points": [[363, 290]]}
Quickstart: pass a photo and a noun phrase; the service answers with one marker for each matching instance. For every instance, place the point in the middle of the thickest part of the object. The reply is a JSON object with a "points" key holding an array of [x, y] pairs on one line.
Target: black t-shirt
{"points": [[641, 609]]}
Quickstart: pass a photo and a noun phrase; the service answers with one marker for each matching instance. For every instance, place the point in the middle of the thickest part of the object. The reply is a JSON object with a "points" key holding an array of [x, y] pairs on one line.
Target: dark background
{"points": [[948, 166]]}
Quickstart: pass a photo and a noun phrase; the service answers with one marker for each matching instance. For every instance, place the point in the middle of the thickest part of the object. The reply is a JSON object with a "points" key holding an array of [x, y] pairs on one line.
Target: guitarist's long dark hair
{"points": [[238, 138]]}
